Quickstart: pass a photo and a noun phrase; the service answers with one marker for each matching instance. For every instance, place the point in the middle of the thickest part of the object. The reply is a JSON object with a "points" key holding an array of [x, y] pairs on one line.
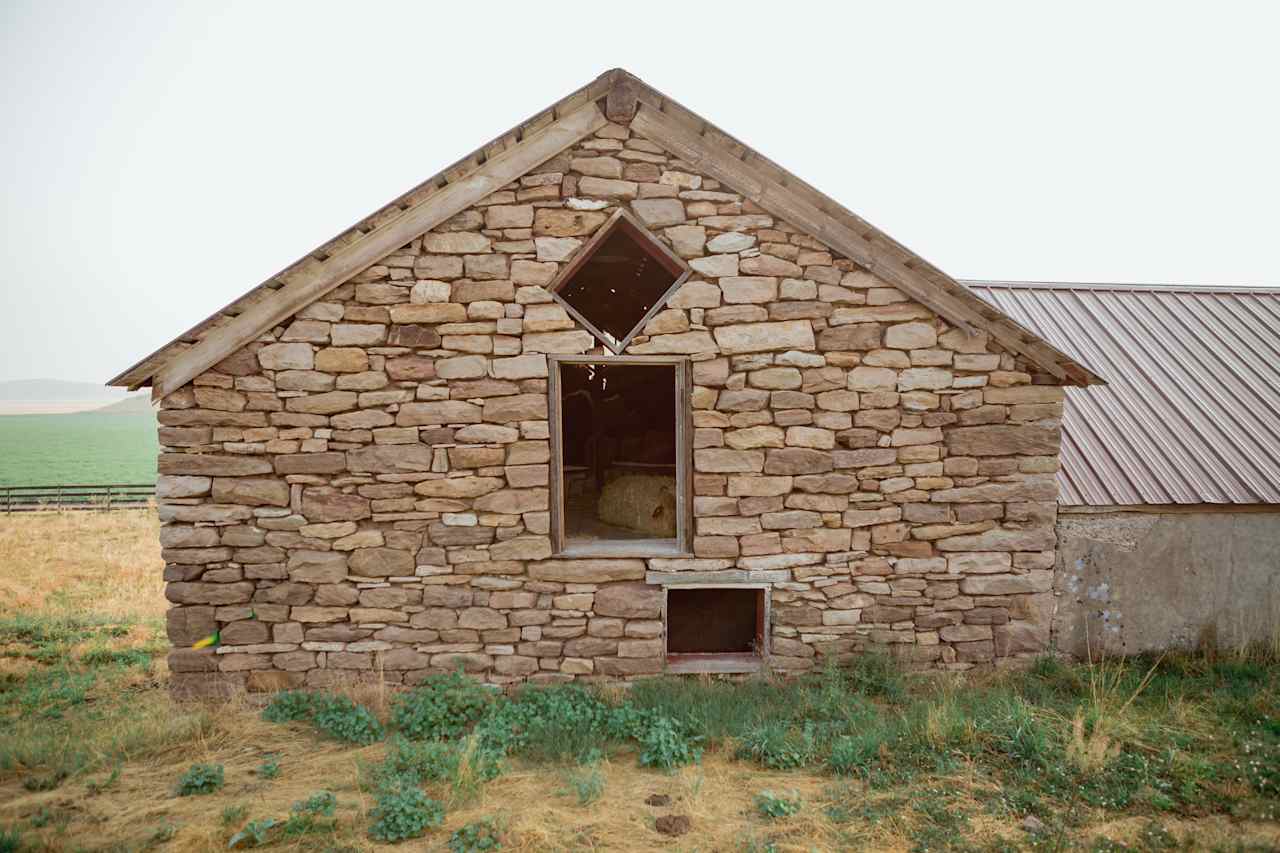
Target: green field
{"points": [[86, 449]]}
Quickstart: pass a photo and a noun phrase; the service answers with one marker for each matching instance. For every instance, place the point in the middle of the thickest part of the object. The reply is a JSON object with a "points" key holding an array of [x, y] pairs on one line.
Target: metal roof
{"points": [[1191, 409]]}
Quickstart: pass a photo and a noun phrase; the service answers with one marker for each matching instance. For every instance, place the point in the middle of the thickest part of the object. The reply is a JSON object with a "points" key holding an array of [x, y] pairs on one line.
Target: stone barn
{"points": [[612, 396]]}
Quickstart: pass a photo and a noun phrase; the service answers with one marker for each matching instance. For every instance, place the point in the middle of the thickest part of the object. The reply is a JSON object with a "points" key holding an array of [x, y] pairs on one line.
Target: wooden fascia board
{"points": [[309, 282], [885, 261]]}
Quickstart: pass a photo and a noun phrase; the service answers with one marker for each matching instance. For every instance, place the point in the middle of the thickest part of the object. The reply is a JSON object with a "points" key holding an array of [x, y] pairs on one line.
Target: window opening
{"points": [[620, 279], [716, 628], [619, 479]]}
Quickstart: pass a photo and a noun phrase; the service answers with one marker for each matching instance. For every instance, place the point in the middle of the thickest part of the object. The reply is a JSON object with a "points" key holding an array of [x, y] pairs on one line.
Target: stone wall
{"points": [[365, 488]]}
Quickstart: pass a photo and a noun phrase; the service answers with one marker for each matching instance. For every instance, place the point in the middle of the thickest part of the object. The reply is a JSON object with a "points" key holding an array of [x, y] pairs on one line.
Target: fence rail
{"points": [[75, 497]]}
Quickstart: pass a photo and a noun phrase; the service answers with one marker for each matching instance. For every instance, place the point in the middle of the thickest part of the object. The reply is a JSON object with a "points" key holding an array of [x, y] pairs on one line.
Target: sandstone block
{"points": [[587, 570], [629, 601], [910, 336], [320, 505], [455, 243], [559, 342], [190, 592], [721, 461], [1002, 440], [765, 337], [520, 407], [659, 212], [553, 222], [436, 413], [308, 463], [513, 501], [695, 294], [606, 188], [861, 336], [317, 567], [380, 562], [212, 464], [293, 356], [340, 360], [459, 487], [182, 487], [390, 458], [798, 460]]}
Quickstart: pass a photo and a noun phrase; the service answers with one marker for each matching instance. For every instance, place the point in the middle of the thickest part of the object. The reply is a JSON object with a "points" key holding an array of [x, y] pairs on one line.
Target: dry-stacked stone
{"points": [[365, 487]]}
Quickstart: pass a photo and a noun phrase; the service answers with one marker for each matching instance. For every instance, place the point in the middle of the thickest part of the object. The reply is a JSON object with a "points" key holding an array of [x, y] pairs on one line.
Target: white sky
{"points": [[159, 160]]}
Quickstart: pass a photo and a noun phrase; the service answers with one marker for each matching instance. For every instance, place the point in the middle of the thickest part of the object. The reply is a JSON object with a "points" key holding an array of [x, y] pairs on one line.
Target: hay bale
{"points": [[645, 503]]}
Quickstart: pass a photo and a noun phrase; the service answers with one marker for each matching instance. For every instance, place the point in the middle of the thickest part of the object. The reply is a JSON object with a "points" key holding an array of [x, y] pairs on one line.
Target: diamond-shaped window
{"points": [[618, 280]]}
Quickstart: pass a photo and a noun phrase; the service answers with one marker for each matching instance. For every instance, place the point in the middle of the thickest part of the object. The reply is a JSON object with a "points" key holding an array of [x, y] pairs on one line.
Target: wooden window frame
{"points": [[650, 244], [724, 662], [683, 378]]}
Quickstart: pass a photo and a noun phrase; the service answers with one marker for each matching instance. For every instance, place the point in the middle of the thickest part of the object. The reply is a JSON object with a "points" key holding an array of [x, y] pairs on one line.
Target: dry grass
{"points": [[82, 562], [92, 565]]}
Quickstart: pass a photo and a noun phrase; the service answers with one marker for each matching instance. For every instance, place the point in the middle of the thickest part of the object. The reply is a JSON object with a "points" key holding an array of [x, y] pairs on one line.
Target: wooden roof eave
{"points": [[667, 123]]}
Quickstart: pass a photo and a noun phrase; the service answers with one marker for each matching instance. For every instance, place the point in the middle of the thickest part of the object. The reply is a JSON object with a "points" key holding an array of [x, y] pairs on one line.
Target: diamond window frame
{"points": [[650, 245]]}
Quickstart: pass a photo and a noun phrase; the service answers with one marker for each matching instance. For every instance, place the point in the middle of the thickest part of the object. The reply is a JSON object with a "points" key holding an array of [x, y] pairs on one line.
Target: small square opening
{"points": [[721, 627]]}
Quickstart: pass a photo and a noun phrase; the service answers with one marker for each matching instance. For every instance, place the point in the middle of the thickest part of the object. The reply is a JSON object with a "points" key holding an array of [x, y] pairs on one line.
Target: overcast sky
{"points": [[160, 159]]}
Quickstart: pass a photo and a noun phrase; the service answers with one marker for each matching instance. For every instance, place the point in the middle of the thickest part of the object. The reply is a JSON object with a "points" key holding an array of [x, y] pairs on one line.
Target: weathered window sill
{"points": [[623, 548], [686, 664]]}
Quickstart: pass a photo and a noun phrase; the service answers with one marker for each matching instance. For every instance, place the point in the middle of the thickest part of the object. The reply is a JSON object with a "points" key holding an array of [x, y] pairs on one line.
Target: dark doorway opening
{"points": [[715, 621]]}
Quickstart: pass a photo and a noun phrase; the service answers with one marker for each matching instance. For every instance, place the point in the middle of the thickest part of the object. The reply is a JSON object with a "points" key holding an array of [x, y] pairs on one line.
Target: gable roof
{"points": [[652, 115], [1191, 409]]}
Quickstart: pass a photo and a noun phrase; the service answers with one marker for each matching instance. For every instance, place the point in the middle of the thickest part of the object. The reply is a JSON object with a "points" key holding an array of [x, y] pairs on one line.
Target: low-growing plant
{"points": [[403, 811], [10, 840], [304, 815], [255, 833], [665, 746], [856, 754], [423, 761], [289, 706], [778, 746], [342, 718], [479, 835], [586, 783], [200, 779], [875, 674], [774, 806], [554, 724], [441, 707], [269, 768], [321, 804]]}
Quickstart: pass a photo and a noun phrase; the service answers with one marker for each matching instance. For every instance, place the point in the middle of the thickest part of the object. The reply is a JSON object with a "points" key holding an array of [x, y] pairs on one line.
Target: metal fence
{"points": [[75, 497]]}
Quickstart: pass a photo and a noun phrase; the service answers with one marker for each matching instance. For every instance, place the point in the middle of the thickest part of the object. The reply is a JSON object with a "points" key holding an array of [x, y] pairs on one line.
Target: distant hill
{"points": [[135, 405], [46, 390], [55, 396]]}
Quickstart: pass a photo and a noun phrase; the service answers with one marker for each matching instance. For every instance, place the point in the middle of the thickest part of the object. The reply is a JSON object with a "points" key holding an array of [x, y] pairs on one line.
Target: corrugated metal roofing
{"points": [[1191, 409]]}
